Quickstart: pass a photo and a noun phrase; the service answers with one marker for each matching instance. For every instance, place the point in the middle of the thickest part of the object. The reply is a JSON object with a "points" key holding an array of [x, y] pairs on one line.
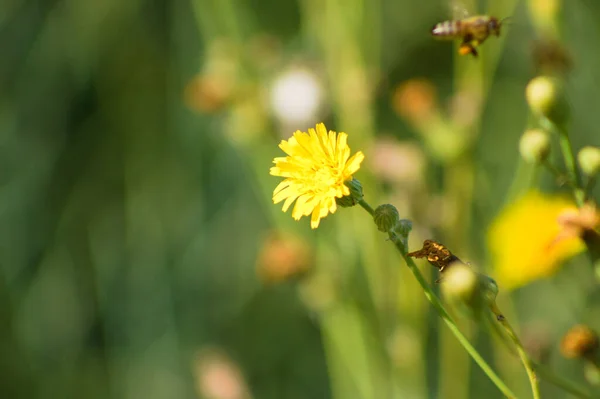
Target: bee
{"points": [[472, 30]]}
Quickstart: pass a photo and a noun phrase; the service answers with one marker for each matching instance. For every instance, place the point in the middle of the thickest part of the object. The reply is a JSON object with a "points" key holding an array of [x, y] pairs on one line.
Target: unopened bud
{"points": [[461, 285], [356, 194], [468, 291], [489, 289], [546, 97], [591, 372], [589, 160], [545, 14], [534, 145], [404, 227], [386, 217], [579, 341]]}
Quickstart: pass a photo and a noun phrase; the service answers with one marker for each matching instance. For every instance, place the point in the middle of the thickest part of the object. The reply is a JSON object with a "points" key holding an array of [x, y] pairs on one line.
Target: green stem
{"points": [[439, 307], [543, 371], [437, 304], [579, 192], [561, 382], [569, 157], [367, 207], [533, 381], [589, 186], [560, 177]]}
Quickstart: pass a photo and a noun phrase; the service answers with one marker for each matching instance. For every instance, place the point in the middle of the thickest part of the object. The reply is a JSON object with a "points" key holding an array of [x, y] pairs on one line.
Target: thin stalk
{"points": [[543, 371], [578, 191], [439, 307], [524, 178], [569, 158], [367, 207], [561, 382], [533, 381], [589, 186], [560, 177]]}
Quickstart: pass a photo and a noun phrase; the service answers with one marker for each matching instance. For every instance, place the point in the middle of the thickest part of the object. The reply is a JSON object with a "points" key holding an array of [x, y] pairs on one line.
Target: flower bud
{"points": [[589, 160], [489, 289], [404, 227], [545, 15], [386, 217], [460, 284], [591, 372], [468, 291], [346, 201], [356, 194], [579, 341], [535, 146], [546, 97]]}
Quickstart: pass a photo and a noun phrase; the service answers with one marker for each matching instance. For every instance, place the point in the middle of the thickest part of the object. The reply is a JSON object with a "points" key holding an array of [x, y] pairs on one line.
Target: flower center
{"points": [[324, 179]]}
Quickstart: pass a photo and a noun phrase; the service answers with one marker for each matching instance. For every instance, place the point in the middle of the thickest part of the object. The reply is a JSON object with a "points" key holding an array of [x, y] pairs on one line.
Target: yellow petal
{"points": [[299, 208], [289, 201], [315, 217], [353, 164]]}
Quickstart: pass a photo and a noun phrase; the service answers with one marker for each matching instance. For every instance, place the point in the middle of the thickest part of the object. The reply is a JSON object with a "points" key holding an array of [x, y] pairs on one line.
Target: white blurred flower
{"points": [[404, 347], [296, 96], [398, 162]]}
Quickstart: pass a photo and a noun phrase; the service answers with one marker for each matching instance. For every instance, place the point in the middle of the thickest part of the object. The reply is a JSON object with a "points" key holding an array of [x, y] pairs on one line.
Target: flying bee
{"points": [[472, 30]]}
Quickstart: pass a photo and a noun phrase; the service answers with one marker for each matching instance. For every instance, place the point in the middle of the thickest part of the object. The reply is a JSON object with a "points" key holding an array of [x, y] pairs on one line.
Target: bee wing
{"points": [[459, 10]]}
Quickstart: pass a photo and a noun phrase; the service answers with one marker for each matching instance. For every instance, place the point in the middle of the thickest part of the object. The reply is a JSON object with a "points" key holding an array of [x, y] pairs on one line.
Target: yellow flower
{"points": [[317, 165], [523, 241]]}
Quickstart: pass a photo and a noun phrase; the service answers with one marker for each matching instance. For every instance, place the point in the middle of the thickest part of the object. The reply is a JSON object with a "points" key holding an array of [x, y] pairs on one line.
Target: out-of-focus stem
{"points": [[589, 186], [569, 157], [544, 372], [561, 382], [533, 381], [349, 49]]}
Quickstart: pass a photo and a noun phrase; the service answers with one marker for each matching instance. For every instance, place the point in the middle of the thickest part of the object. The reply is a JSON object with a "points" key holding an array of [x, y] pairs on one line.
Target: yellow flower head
{"points": [[317, 165], [523, 240]]}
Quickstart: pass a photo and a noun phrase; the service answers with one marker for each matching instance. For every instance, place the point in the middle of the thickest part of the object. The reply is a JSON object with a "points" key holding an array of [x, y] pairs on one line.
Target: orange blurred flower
{"points": [[283, 256], [579, 341], [577, 222], [208, 93], [415, 99]]}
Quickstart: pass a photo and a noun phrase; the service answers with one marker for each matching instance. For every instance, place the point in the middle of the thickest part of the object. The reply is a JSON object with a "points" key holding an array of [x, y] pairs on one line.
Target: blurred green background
{"points": [[141, 255]]}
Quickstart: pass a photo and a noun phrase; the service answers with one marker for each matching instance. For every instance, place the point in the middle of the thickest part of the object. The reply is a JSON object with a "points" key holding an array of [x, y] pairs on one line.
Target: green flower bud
{"points": [[460, 285], [589, 160], [346, 201], [356, 194], [489, 289], [546, 97], [404, 227], [386, 217], [591, 372], [468, 291], [535, 146]]}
